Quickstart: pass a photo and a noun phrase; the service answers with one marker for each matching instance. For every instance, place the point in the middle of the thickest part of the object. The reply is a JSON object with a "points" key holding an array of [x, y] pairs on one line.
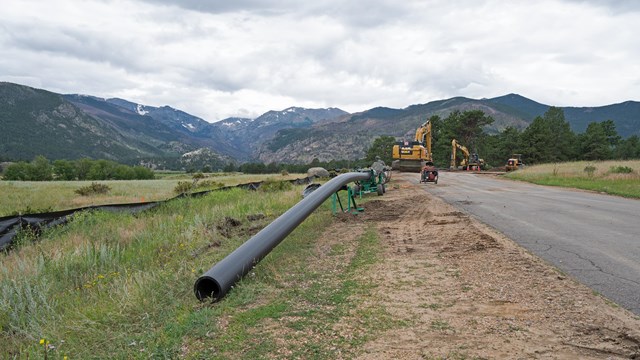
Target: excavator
{"points": [[411, 156], [469, 161]]}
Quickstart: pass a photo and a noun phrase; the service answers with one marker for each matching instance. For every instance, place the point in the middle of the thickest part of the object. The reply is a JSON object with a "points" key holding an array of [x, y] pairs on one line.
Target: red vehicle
{"points": [[429, 173]]}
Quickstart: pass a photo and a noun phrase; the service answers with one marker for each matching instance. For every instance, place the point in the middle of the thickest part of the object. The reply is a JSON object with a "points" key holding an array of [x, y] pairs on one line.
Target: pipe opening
{"points": [[207, 287]]}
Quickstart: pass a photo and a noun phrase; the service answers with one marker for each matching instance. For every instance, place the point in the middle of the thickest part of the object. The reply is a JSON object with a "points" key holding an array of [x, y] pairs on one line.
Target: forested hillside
{"points": [[36, 122]]}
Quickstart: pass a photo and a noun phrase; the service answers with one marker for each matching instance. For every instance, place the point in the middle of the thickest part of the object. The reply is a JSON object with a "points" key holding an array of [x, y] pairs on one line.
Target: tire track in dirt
{"points": [[464, 290]]}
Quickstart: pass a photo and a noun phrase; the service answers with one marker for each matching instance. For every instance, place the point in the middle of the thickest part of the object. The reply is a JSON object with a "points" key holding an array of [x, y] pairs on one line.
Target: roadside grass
{"points": [[44, 196], [112, 285], [612, 177]]}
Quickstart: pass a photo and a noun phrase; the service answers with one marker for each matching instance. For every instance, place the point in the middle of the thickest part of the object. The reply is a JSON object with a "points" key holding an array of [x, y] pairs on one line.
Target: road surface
{"points": [[593, 237]]}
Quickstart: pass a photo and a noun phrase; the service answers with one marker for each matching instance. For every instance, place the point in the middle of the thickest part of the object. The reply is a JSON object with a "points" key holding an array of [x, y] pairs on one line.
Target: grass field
{"points": [[612, 177], [119, 286], [42, 196]]}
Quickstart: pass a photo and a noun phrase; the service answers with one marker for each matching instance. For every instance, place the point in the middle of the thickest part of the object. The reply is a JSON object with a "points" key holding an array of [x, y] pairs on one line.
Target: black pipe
{"points": [[216, 282]]}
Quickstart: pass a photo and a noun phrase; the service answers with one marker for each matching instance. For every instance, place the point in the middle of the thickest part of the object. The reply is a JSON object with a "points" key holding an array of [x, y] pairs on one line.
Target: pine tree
{"points": [[537, 142], [595, 143], [382, 147], [562, 141]]}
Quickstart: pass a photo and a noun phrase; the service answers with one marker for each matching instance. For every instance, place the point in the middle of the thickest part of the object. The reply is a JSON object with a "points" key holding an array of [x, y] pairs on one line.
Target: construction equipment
{"points": [[380, 175], [468, 162], [429, 173], [411, 156], [514, 163], [475, 163], [465, 152]]}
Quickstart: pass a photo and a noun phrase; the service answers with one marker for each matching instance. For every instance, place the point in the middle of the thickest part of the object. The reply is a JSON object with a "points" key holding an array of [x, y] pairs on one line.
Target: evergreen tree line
{"points": [[548, 138], [41, 169]]}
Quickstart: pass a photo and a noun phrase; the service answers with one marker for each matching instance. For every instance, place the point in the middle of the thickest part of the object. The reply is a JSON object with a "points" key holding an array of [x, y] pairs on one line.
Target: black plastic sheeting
{"points": [[309, 189], [10, 225]]}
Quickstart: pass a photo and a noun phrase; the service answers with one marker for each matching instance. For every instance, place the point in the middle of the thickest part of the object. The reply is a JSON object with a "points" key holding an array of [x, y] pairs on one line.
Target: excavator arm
{"points": [[423, 136], [465, 152]]}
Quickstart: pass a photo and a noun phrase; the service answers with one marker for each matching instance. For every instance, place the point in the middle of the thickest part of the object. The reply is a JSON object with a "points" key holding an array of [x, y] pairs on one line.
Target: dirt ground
{"points": [[469, 292]]}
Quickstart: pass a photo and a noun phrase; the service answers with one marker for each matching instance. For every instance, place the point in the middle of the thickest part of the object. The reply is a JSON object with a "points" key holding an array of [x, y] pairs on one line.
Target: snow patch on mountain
{"points": [[140, 110]]}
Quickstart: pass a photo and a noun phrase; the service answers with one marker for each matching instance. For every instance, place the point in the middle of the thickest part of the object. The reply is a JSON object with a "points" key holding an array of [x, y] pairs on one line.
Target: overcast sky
{"points": [[222, 58]]}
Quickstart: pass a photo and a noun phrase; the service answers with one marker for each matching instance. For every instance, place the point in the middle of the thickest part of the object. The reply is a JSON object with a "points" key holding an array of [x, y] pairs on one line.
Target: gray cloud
{"points": [[218, 59], [617, 6], [220, 7], [63, 41]]}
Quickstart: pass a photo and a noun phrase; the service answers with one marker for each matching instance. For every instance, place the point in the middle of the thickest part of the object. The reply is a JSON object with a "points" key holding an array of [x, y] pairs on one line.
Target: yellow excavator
{"points": [[469, 161], [411, 156]]}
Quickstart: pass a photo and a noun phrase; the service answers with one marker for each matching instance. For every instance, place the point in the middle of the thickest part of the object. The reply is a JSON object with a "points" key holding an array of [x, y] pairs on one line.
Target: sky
{"points": [[219, 59]]}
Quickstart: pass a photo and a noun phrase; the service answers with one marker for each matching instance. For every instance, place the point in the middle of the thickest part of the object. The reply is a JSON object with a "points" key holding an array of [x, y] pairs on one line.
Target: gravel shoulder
{"points": [[466, 291]]}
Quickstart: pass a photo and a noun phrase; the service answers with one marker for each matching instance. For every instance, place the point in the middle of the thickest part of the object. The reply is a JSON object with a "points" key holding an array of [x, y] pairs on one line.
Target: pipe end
{"points": [[206, 287]]}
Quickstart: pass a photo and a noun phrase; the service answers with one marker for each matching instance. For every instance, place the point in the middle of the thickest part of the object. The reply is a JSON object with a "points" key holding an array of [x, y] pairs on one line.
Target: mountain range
{"points": [[38, 122]]}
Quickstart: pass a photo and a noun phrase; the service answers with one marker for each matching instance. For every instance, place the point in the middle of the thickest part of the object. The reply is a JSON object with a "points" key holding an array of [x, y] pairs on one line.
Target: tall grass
{"points": [[612, 177], [112, 285], [69, 272]]}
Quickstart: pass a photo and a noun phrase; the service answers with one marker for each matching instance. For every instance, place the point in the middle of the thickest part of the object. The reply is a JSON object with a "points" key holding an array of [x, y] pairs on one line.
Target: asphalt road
{"points": [[593, 237]]}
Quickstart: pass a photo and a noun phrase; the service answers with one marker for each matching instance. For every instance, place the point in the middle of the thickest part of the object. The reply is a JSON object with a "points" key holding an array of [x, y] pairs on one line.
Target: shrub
{"points": [[64, 170], [590, 170], [183, 187], [101, 170], [93, 189], [41, 169], [143, 173], [620, 170], [123, 172], [38, 170], [17, 171]]}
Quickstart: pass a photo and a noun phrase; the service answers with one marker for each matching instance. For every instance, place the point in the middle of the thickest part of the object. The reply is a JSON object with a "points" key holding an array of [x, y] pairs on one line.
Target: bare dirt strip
{"points": [[466, 291]]}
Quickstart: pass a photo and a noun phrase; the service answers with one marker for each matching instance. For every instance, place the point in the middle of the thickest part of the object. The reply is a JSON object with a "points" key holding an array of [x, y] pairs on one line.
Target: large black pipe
{"points": [[218, 280]]}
